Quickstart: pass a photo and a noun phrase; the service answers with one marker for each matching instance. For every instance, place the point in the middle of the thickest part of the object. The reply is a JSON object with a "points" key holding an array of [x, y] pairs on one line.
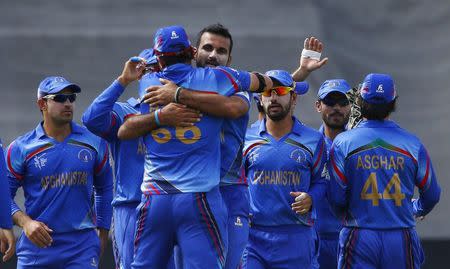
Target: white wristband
{"points": [[311, 54]]}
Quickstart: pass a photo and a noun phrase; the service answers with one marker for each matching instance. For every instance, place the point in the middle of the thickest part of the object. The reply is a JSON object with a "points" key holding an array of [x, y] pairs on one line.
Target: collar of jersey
{"points": [[296, 129], [377, 124], [40, 133]]}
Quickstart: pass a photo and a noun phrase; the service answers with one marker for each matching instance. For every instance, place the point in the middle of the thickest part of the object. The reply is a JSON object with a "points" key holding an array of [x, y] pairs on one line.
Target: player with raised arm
{"points": [[214, 46], [104, 117], [375, 168], [283, 162], [61, 167], [7, 239], [182, 168], [334, 107]]}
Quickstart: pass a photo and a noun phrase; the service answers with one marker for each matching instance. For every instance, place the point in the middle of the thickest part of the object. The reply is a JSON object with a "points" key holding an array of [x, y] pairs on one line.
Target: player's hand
{"points": [[133, 70], [160, 95], [179, 115], [103, 236], [302, 203], [38, 233], [308, 64], [7, 243]]}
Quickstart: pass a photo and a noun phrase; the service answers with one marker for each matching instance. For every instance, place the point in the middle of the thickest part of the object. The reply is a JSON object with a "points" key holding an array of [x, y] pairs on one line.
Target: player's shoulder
{"points": [[302, 131], [87, 137], [131, 107], [25, 139]]}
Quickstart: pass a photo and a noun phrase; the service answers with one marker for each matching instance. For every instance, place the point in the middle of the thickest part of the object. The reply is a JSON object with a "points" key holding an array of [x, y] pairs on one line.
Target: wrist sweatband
{"points": [[177, 94], [158, 123], [311, 54]]}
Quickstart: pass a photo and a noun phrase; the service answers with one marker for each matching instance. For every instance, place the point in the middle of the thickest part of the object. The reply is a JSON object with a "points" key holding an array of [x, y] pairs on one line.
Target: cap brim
{"points": [[74, 87], [301, 87]]}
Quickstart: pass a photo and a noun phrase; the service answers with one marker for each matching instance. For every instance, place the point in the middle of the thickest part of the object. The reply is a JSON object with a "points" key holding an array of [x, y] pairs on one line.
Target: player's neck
{"points": [[331, 133], [280, 128], [58, 132]]}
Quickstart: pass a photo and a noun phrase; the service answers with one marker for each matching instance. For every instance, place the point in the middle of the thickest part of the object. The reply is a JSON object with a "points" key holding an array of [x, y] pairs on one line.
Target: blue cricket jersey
{"points": [[326, 221], [104, 117], [187, 159], [5, 196], [58, 179], [375, 168], [231, 146], [275, 168]]}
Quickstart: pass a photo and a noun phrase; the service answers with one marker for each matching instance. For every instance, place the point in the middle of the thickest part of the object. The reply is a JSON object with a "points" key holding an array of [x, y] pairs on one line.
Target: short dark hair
{"points": [[376, 111], [217, 29], [175, 59]]}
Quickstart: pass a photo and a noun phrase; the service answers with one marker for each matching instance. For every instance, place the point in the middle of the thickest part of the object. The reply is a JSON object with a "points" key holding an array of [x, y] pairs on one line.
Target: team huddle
{"points": [[194, 187]]}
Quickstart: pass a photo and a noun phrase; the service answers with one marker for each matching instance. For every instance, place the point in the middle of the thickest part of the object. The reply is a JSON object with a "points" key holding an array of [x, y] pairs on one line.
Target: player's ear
{"points": [[194, 51], [42, 104], [318, 106]]}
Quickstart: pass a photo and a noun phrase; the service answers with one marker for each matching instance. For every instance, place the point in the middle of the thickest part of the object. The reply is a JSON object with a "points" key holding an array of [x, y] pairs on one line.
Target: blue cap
{"points": [[171, 39], [149, 56], [286, 80], [52, 85], [333, 85], [378, 89]]}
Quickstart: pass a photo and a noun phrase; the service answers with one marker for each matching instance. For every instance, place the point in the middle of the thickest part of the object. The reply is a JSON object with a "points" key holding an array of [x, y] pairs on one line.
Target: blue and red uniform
{"points": [[374, 171], [233, 187], [327, 224], [104, 117], [59, 180], [181, 202], [5, 197], [279, 237]]}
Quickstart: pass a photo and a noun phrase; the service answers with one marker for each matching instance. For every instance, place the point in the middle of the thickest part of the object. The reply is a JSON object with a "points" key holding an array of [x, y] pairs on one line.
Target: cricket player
{"points": [[214, 46], [103, 118], [283, 163], [7, 239], [375, 168], [61, 167], [334, 108], [182, 169]]}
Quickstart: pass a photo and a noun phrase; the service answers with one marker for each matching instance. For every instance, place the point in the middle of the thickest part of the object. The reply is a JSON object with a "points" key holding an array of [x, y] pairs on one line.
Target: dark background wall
{"points": [[87, 41]]}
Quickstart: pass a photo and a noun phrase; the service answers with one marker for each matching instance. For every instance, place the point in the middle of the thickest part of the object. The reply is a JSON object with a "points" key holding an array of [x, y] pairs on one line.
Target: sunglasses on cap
{"points": [[62, 98], [280, 91], [334, 101]]}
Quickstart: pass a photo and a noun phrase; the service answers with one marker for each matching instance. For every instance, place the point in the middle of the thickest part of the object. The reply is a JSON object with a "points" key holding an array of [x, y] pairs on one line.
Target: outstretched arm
{"points": [[309, 64]]}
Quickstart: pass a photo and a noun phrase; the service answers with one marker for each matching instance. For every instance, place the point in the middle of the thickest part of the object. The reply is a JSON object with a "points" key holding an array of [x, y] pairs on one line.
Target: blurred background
{"points": [[87, 41]]}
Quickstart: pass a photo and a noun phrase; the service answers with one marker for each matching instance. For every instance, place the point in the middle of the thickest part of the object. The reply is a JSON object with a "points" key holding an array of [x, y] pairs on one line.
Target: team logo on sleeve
{"points": [[40, 161], [85, 155], [298, 155]]}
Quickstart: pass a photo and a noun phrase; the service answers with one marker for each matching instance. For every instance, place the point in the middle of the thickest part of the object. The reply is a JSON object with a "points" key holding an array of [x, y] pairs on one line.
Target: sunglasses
{"points": [[280, 91], [333, 102], [62, 98]]}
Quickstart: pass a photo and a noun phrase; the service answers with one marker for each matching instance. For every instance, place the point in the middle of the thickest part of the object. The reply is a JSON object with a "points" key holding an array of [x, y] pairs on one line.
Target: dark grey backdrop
{"points": [[88, 40]]}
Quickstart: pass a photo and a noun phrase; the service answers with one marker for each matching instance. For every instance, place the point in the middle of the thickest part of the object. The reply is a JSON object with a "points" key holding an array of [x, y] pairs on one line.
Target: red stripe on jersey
{"points": [[252, 146], [37, 151], [338, 172], [235, 86], [100, 166], [319, 157], [425, 178], [8, 157], [128, 115]]}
